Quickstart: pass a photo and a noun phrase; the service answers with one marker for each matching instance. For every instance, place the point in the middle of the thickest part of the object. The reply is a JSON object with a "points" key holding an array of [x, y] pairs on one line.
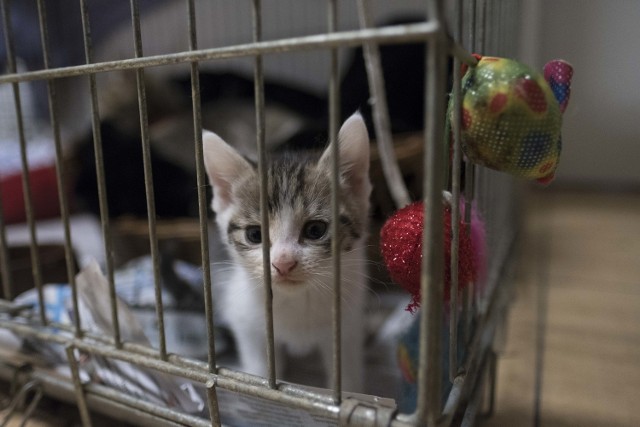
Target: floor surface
{"points": [[572, 355]]}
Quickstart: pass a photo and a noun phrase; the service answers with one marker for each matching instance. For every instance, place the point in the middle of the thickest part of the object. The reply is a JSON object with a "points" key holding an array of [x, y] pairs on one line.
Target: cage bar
{"points": [[100, 174], [213, 403], [5, 273], [455, 202], [60, 169], [26, 181], [79, 389], [202, 195], [431, 287], [392, 34], [264, 211], [148, 178], [336, 241]]}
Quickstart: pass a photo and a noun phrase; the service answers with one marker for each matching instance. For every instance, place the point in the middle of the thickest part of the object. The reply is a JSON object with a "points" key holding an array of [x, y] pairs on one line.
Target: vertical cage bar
{"points": [[264, 212], [100, 175], [455, 202], [492, 375], [432, 269], [497, 21], [212, 396], [471, 22], [26, 184], [481, 28], [467, 295], [489, 45], [148, 179], [77, 386], [477, 38], [500, 30], [60, 169], [484, 193], [470, 171], [202, 195], [384, 140], [507, 9], [4, 257], [334, 114], [475, 174], [5, 273]]}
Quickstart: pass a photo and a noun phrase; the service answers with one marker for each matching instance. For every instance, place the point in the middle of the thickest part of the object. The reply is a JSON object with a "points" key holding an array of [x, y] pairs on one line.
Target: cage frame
{"points": [[465, 377]]}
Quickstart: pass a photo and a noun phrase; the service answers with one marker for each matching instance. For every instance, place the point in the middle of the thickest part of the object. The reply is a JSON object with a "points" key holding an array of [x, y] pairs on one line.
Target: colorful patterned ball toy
{"points": [[512, 116]]}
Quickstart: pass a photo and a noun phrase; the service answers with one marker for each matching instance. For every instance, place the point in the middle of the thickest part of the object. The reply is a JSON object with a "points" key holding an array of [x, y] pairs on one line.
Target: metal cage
{"points": [[452, 30]]}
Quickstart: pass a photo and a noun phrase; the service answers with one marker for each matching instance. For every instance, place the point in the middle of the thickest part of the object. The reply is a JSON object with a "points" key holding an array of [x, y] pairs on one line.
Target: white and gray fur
{"points": [[299, 204]]}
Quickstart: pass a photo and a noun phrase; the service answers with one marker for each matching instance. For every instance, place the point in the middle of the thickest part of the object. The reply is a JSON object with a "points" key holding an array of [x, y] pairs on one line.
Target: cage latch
{"points": [[355, 413]]}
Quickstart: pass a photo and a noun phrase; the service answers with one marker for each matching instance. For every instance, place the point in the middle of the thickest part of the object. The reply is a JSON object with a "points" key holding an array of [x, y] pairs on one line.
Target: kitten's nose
{"points": [[284, 265]]}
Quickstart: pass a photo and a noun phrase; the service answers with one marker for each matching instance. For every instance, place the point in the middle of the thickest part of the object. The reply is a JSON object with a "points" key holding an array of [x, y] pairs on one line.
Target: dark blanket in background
{"points": [[174, 188], [403, 68], [66, 40]]}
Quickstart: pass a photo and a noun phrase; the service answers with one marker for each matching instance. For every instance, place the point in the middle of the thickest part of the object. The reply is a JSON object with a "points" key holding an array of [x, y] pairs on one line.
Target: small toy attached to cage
{"points": [[511, 122]]}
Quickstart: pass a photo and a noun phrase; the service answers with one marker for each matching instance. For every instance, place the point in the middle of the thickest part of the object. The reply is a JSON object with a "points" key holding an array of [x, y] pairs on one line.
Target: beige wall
{"points": [[601, 38]]}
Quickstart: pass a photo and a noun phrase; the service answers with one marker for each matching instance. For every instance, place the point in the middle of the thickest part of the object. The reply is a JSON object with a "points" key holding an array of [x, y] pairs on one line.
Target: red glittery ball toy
{"points": [[401, 247]]}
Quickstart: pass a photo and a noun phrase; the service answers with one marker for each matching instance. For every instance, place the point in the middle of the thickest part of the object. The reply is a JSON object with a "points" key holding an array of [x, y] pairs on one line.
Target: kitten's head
{"points": [[299, 204]]}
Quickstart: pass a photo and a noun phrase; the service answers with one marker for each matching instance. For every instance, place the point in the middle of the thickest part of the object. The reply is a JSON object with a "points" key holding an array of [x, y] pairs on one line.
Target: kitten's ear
{"points": [[353, 140], [224, 166]]}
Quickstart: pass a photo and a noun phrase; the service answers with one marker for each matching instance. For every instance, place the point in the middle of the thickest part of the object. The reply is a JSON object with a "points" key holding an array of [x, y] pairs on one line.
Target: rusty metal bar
{"points": [[148, 179], [113, 403], [391, 34], [60, 169], [100, 174], [336, 240], [293, 396], [5, 272], [469, 184], [456, 99], [212, 399], [430, 355], [258, 80], [202, 184], [78, 387], [18, 399], [26, 181]]}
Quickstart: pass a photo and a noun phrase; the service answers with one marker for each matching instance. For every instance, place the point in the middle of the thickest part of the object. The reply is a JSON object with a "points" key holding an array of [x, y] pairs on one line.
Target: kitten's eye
{"points": [[253, 234], [314, 230]]}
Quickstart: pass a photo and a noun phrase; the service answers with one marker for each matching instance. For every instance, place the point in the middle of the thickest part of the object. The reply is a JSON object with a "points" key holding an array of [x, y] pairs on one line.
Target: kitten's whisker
{"points": [[353, 284], [348, 295]]}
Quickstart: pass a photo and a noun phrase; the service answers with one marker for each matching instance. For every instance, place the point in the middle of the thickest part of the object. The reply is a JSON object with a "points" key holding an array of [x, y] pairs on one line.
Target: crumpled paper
{"points": [[95, 315]]}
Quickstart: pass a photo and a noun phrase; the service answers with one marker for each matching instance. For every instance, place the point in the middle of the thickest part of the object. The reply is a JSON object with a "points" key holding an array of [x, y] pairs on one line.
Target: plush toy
{"points": [[512, 115], [401, 247]]}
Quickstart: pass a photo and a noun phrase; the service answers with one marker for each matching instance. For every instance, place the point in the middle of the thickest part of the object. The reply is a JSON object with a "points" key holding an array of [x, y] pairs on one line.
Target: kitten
{"points": [[299, 203]]}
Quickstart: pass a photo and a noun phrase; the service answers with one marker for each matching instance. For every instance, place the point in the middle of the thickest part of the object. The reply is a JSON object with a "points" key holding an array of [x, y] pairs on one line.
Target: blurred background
{"points": [[601, 129], [572, 355]]}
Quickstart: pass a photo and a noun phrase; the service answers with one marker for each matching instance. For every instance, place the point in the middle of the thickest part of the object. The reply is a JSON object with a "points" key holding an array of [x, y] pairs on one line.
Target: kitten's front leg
{"points": [[353, 339], [352, 361], [252, 347]]}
